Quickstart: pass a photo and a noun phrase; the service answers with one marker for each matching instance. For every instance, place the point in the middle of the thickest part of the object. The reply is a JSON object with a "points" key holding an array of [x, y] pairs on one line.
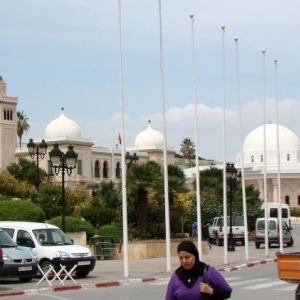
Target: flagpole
{"points": [[122, 138], [166, 185], [196, 143], [278, 162], [265, 156], [242, 152], [224, 149]]}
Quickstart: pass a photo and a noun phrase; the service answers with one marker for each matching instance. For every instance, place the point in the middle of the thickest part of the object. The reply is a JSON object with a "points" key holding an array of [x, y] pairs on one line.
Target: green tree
{"points": [[11, 187], [21, 210], [22, 125], [110, 194], [26, 170], [141, 180], [187, 149]]}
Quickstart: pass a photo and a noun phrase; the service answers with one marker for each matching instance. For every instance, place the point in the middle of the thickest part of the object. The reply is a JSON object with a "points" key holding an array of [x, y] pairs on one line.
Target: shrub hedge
{"points": [[74, 225]]}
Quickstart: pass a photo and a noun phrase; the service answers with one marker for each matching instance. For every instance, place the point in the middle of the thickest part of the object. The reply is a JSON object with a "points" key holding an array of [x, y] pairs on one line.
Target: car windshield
{"points": [[51, 237], [6, 241]]}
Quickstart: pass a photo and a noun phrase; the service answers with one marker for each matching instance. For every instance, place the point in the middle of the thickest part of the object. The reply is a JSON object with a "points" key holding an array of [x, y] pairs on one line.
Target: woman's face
{"points": [[187, 260]]}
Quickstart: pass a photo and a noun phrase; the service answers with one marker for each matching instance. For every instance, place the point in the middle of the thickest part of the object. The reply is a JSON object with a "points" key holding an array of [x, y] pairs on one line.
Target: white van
{"points": [[273, 208], [273, 232], [51, 246]]}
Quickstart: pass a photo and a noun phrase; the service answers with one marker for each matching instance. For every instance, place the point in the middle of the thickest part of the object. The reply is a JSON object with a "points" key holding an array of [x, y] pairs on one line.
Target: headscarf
{"points": [[189, 277]]}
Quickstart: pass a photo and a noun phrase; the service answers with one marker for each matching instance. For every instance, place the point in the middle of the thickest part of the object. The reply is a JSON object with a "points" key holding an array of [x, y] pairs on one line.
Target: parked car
{"points": [[217, 232], [19, 262], [1, 262], [51, 246], [273, 232]]}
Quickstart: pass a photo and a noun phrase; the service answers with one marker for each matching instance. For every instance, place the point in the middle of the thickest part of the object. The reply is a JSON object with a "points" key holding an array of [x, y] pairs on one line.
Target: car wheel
{"points": [[218, 241], [82, 274], [25, 279], [257, 245], [291, 243], [45, 266]]}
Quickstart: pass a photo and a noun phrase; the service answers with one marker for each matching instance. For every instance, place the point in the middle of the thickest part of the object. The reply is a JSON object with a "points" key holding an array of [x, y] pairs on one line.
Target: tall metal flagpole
{"points": [[224, 148], [124, 196], [196, 143], [278, 162], [166, 184], [265, 160], [242, 151]]}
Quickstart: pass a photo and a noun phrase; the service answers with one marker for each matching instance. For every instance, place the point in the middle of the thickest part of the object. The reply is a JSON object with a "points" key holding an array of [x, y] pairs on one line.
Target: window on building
{"points": [[298, 200], [288, 157], [252, 158], [7, 114], [79, 167], [105, 170], [118, 170], [287, 200], [261, 158], [97, 169]]}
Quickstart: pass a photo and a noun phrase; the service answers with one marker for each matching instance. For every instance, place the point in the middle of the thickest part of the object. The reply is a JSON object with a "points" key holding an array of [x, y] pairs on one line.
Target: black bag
{"points": [[208, 297]]}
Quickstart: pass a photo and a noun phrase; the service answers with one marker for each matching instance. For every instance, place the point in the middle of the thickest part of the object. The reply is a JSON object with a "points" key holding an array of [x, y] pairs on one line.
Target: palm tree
{"points": [[22, 125], [187, 149], [142, 179]]}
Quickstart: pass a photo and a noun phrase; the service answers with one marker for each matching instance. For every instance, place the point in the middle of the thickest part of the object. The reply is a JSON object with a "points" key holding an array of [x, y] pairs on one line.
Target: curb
{"points": [[122, 282]]}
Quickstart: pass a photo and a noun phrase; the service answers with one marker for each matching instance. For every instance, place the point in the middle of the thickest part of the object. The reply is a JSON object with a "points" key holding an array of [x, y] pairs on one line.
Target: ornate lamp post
{"points": [[37, 151], [230, 174], [130, 159], [64, 162]]}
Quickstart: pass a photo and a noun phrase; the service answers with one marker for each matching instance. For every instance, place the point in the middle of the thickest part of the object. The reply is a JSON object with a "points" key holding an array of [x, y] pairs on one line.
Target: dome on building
{"points": [[62, 127], [287, 139], [149, 138]]}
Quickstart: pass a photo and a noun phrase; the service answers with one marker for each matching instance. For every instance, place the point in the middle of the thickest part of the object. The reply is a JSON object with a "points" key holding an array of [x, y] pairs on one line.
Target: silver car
{"points": [[19, 262], [273, 232]]}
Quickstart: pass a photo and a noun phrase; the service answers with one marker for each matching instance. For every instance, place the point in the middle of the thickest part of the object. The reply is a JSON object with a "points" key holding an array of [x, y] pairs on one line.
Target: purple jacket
{"points": [[178, 291]]}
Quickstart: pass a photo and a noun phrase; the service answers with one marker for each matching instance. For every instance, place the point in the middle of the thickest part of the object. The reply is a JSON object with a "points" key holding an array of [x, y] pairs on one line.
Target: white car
{"points": [[51, 246], [273, 232]]}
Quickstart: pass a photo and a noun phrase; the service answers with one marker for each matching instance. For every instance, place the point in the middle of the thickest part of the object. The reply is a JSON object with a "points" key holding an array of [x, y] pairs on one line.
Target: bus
{"points": [[273, 208]]}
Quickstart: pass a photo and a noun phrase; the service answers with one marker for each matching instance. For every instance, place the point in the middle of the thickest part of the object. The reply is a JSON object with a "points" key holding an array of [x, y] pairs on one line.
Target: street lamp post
{"points": [[230, 174], [64, 162], [131, 159], [37, 151]]}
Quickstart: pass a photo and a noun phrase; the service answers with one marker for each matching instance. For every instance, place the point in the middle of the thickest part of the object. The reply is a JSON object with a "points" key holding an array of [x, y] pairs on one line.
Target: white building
{"points": [[287, 171], [289, 149]]}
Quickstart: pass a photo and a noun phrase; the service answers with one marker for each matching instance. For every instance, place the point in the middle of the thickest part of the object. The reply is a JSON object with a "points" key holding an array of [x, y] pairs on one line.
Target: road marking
{"points": [[247, 281], [265, 285], [290, 288]]}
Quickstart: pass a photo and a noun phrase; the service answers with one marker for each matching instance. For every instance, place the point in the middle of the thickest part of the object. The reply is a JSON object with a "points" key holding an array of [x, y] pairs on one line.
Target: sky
{"points": [[67, 55]]}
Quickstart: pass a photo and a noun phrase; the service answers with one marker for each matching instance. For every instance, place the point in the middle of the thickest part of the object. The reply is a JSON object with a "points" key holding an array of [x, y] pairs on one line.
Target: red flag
{"points": [[120, 140]]}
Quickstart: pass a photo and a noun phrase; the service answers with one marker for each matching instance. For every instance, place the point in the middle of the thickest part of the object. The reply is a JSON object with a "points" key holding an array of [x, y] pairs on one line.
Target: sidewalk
{"points": [[156, 268], [111, 272]]}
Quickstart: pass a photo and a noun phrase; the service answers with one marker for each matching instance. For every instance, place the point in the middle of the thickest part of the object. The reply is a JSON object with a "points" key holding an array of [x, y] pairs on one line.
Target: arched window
{"points": [[105, 170], [118, 170], [288, 157], [97, 169], [287, 200]]}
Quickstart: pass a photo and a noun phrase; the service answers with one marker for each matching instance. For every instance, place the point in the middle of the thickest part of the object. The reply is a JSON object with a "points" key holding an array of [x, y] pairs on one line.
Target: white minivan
{"points": [[273, 232], [51, 246]]}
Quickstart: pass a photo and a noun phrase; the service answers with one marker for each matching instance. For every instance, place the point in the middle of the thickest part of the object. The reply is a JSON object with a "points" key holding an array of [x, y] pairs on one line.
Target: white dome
{"points": [[62, 127], [288, 140], [148, 138]]}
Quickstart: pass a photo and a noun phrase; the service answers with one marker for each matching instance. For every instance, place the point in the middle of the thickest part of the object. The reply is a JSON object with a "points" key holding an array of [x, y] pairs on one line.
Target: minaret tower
{"points": [[8, 126]]}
